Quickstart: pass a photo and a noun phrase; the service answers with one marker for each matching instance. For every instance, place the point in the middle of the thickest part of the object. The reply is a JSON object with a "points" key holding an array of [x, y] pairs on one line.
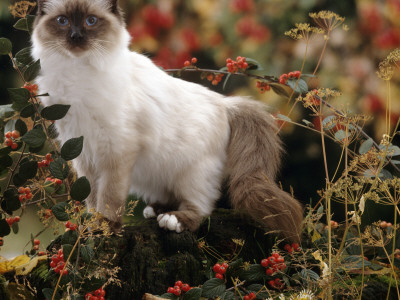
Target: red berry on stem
{"points": [[269, 272], [15, 134], [246, 297], [225, 265], [216, 268], [17, 219], [170, 290], [222, 270], [186, 63], [219, 276], [185, 287], [36, 242], [194, 60], [178, 283], [265, 262]]}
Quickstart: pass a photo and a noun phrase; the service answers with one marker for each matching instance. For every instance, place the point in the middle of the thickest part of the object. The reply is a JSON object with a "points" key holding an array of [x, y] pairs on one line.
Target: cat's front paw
{"points": [[149, 212], [169, 222]]}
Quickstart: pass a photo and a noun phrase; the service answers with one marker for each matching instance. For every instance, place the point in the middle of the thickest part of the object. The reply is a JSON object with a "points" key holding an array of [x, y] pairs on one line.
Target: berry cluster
{"points": [[178, 288], [47, 213], [215, 79], [58, 263], [24, 193], [46, 162], [290, 248], [276, 283], [291, 75], [10, 139], [239, 65], [50, 180], [71, 226], [250, 296], [36, 244], [192, 62], [32, 88], [96, 295], [220, 270], [273, 264], [263, 87], [242, 5], [334, 224], [13, 220]]}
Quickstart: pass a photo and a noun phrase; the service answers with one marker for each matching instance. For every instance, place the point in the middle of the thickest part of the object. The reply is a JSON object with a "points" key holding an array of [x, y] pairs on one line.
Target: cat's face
{"points": [[78, 27]]}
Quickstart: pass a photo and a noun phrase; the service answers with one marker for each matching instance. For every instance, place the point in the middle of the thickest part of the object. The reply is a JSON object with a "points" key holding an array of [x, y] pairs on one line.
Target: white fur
{"points": [[148, 212], [144, 131], [169, 222]]}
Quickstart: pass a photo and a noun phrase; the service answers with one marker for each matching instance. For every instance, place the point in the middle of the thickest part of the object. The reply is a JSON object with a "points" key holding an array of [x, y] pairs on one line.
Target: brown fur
{"points": [[253, 160]]}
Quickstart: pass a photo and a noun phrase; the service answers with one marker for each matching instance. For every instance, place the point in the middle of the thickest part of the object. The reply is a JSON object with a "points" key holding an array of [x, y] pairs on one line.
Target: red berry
{"points": [[8, 134], [41, 253], [210, 77], [58, 181], [2, 242], [222, 270], [48, 156], [65, 272], [194, 60], [177, 291], [295, 246], [36, 242], [252, 296], [216, 268], [225, 265], [186, 63], [265, 262], [36, 247], [21, 190], [15, 134], [21, 198], [170, 290], [28, 196], [14, 146], [269, 272], [8, 142], [185, 287], [219, 276], [16, 219], [178, 283], [68, 224], [53, 264], [246, 297]]}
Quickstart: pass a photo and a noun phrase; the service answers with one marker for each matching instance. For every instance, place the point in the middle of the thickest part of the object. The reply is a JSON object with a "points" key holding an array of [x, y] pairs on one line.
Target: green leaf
{"points": [[72, 148], [87, 253], [328, 123], [34, 138], [307, 275], [32, 71], [18, 180], [253, 64], [67, 249], [226, 80], [5, 161], [169, 296], [69, 237], [5, 46], [21, 127], [11, 200], [308, 123], [354, 262], [4, 228], [28, 170], [193, 294], [255, 272], [59, 168], [341, 135], [80, 189], [24, 57], [59, 211], [93, 283], [85, 217], [55, 112], [21, 24], [213, 288], [259, 290], [48, 294], [279, 90], [299, 87], [27, 111], [15, 227], [228, 295], [19, 95]]}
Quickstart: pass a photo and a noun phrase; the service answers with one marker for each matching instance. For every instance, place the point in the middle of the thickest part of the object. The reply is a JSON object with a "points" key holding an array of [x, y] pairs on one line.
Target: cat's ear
{"points": [[114, 6], [40, 4]]}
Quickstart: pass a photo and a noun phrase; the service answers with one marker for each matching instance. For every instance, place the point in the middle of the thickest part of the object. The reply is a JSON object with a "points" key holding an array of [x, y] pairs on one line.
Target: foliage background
{"points": [[171, 31]]}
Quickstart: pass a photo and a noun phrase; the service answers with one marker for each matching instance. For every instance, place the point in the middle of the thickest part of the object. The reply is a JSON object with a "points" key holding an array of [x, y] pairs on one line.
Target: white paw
{"points": [[148, 212], [169, 222]]}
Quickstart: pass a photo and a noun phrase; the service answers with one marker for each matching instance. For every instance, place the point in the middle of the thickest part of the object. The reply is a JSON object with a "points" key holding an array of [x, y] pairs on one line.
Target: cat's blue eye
{"points": [[62, 20], [91, 20]]}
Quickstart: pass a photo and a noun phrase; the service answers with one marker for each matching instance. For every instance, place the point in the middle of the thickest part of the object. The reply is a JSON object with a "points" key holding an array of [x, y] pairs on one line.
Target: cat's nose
{"points": [[76, 35]]}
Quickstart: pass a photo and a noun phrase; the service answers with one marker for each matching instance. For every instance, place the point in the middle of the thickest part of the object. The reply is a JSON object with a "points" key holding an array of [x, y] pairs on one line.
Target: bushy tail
{"points": [[254, 154]]}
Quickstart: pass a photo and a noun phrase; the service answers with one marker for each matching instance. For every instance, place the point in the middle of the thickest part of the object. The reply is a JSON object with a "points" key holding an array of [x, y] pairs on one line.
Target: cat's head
{"points": [[78, 27]]}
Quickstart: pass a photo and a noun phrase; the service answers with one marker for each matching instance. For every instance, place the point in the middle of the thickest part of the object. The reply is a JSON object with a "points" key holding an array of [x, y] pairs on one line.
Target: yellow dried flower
{"points": [[386, 67], [21, 8], [303, 30], [327, 20]]}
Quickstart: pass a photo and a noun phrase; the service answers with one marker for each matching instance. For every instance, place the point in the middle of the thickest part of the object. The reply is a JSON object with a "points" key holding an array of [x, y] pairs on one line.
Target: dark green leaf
{"points": [[28, 169], [279, 90], [366, 146], [11, 200], [353, 262], [69, 237], [19, 95], [18, 180], [259, 290], [226, 80], [299, 87], [93, 283], [34, 138], [228, 295], [85, 217], [55, 112], [213, 287], [27, 111], [80, 189], [87, 253], [5, 46], [77, 297], [255, 272], [59, 211], [4, 228], [59, 168], [61, 189], [5, 151], [307, 275], [72, 148], [48, 294], [21, 127], [5, 161], [24, 57], [253, 64], [32, 71], [193, 294], [15, 227], [21, 24], [67, 249]]}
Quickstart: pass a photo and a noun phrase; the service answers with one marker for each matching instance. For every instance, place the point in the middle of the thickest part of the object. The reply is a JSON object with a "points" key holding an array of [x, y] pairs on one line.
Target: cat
{"points": [[170, 141]]}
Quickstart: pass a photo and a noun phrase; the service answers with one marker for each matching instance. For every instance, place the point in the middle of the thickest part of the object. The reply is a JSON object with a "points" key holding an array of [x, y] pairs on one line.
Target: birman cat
{"points": [[172, 142]]}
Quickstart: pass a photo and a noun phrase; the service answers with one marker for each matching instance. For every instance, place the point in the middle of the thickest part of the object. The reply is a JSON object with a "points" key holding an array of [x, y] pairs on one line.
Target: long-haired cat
{"points": [[170, 141]]}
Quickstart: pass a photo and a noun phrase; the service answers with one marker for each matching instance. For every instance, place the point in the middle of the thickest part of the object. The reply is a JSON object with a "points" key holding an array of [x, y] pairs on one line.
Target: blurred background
{"points": [[172, 31]]}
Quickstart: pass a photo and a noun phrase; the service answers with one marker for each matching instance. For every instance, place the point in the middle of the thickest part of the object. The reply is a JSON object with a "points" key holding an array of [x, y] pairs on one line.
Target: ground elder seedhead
{"points": [[327, 20], [303, 31]]}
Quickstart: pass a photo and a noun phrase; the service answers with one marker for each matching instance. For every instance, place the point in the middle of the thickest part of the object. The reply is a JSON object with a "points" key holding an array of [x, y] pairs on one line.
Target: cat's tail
{"points": [[253, 159]]}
